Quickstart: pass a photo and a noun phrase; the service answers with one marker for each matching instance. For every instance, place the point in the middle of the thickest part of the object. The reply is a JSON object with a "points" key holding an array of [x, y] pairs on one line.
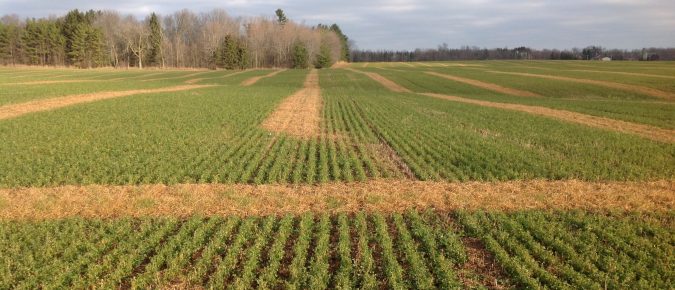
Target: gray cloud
{"points": [[409, 24]]}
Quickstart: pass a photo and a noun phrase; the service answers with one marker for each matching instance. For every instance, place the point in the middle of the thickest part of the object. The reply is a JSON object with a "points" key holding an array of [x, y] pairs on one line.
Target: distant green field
{"points": [[213, 134]]}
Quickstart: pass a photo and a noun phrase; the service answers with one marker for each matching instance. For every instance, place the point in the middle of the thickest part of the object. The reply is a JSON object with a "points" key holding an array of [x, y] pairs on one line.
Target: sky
{"points": [[410, 24]]}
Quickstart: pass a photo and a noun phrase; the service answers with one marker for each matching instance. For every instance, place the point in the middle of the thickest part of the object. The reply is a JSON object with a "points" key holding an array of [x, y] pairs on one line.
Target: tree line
{"points": [[213, 39], [443, 53]]}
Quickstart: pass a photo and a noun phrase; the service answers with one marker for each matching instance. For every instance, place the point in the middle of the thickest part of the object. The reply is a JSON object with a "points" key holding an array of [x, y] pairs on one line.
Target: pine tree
{"points": [[322, 59], [281, 17], [78, 46], [155, 55], [300, 55], [344, 41], [242, 56], [228, 55], [71, 23], [4, 44]]}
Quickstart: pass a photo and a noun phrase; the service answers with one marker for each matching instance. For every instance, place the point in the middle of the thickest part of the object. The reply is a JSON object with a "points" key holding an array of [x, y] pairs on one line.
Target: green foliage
{"points": [[322, 58], [344, 41], [300, 55], [281, 17], [565, 250], [535, 249], [155, 55], [231, 54], [77, 30], [5, 48], [87, 46], [42, 42]]}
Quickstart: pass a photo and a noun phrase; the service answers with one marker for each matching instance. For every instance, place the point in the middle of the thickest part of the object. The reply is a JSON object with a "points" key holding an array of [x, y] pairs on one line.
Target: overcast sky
{"points": [[409, 24]]}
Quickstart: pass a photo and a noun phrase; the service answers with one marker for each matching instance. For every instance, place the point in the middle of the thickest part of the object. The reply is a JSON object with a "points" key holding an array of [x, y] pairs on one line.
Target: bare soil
{"points": [[487, 86], [480, 261], [650, 132], [16, 110], [384, 195], [625, 87], [387, 83], [253, 80], [299, 114]]}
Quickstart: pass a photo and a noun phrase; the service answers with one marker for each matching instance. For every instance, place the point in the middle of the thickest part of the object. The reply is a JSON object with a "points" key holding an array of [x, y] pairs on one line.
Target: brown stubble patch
{"points": [[482, 263], [382, 195], [623, 73], [485, 85], [299, 115], [650, 132], [387, 83], [16, 110], [620, 86], [253, 80]]}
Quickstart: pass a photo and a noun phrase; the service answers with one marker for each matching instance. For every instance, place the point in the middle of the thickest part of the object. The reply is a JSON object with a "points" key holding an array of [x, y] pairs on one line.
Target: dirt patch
{"points": [[624, 73], [487, 86], [50, 82], [299, 115], [387, 83], [386, 195], [480, 261], [16, 110], [650, 132], [253, 80], [340, 64], [625, 87]]}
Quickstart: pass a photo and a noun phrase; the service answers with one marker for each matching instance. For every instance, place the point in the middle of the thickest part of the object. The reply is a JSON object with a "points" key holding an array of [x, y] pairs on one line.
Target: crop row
{"points": [[445, 140], [576, 250], [416, 250], [213, 135], [302, 252]]}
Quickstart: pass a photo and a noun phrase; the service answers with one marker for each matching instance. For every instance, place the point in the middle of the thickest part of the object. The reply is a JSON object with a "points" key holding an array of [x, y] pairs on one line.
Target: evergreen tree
{"points": [[281, 17], [69, 29], [300, 55], [155, 55], [344, 41], [322, 59], [242, 53], [228, 53], [4, 43]]}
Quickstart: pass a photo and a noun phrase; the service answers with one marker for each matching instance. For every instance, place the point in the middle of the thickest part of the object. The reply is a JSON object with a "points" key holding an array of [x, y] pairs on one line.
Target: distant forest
{"points": [[183, 39], [476, 53]]}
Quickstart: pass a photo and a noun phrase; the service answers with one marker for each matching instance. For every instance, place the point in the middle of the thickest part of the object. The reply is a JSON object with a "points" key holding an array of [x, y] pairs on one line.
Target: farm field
{"points": [[447, 175]]}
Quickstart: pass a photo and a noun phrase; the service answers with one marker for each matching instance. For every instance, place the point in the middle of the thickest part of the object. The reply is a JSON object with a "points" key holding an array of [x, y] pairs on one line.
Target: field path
{"points": [[387, 83], [487, 86], [631, 88], [194, 81], [624, 73], [299, 114], [177, 77], [253, 80], [383, 195], [16, 110], [650, 132]]}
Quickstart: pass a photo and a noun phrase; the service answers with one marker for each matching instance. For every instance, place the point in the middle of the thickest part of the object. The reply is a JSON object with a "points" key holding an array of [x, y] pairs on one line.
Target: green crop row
{"points": [[576, 250], [445, 140], [414, 250]]}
